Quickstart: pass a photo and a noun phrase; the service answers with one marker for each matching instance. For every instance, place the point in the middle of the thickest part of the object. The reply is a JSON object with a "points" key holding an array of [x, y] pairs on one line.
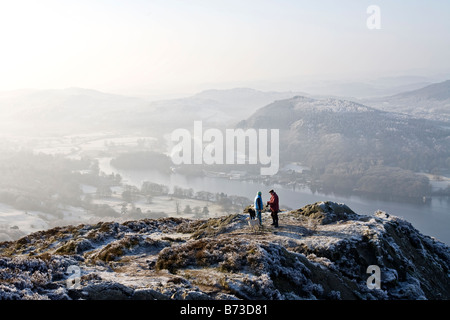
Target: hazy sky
{"points": [[155, 46]]}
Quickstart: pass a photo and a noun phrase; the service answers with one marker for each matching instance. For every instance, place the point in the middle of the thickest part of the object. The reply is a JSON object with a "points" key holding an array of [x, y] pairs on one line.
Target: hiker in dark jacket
{"points": [[274, 207]]}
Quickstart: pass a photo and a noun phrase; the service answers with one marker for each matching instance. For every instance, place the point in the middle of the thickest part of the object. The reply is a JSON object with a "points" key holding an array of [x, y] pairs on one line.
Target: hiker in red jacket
{"points": [[274, 207]]}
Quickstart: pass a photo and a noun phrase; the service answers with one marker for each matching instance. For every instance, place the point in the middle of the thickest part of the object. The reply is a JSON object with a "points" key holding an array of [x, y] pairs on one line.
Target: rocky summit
{"points": [[321, 251]]}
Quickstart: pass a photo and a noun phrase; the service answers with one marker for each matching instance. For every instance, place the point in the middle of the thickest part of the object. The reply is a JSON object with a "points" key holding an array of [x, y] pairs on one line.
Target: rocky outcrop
{"points": [[321, 251], [327, 212]]}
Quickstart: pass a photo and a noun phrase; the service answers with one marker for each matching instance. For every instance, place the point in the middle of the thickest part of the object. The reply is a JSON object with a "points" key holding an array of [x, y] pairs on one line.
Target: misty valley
{"points": [[228, 151], [65, 166]]}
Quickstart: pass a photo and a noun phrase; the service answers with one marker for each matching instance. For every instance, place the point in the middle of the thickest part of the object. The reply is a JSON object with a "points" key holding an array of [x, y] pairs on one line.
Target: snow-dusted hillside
{"points": [[303, 104], [343, 140], [321, 251], [430, 102]]}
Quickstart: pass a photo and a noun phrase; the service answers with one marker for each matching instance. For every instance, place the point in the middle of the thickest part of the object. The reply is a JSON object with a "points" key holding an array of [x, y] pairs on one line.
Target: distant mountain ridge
{"points": [[430, 102], [65, 110], [75, 109], [438, 91], [215, 107]]}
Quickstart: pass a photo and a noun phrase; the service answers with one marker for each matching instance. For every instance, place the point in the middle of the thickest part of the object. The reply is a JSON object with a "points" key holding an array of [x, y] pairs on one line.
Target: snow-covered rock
{"points": [[321, 251]]}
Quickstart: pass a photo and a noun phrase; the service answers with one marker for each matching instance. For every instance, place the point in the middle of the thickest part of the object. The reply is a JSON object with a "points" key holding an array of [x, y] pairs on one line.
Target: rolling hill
{"points": [[344, 141], [430, 102]]}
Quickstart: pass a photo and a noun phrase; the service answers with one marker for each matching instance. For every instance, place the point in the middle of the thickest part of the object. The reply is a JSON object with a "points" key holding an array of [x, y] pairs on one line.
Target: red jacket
{"points": [[273, 203]]}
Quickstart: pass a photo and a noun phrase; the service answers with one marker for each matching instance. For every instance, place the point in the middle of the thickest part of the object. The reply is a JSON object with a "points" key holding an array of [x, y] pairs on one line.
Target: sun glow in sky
{"points": [[139, 46]]}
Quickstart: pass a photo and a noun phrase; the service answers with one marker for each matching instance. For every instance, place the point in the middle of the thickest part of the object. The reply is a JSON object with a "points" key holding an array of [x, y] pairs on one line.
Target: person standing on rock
{"points": [[259, 206], [274, 207]]}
